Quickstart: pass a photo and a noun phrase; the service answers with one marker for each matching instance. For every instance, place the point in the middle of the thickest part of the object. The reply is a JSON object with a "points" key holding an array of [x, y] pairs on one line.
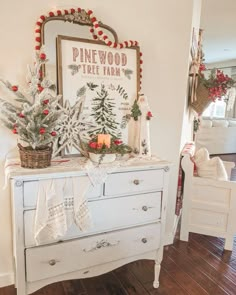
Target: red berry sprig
{"points": [[118, 142], [40, 88], [14, 88], [53, 133], [21, 115], [42, 130]]}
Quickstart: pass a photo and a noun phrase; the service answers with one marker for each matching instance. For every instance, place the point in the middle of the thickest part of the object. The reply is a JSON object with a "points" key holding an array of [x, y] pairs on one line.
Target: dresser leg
{"points": [[157, 267], [157, 270]]}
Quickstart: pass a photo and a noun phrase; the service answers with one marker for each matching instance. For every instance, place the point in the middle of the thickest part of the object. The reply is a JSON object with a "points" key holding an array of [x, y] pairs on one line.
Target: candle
{"points": [[104, 139]]}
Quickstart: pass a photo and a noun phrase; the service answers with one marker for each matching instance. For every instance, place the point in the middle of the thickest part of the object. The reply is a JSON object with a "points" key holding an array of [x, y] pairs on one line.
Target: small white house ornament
{"points": [[139, 129]]}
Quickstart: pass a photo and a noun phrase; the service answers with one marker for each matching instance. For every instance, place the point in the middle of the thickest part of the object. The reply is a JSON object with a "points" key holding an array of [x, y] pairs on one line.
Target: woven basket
{"points": [[202, 101], [38, 158]]}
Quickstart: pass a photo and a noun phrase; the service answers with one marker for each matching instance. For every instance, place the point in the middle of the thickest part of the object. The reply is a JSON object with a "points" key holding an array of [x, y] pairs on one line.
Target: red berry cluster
{"points": [[220, 85], [95, 145], [217, 83], [118, 142], [202, 67], [149, 115]]}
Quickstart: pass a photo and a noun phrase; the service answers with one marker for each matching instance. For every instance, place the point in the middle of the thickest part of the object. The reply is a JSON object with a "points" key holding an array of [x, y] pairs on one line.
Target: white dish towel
{"points": [[61, 202]]}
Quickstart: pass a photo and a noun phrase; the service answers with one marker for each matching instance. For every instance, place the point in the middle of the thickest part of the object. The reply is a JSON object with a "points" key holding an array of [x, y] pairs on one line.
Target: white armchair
{"points": [[209, 206]]}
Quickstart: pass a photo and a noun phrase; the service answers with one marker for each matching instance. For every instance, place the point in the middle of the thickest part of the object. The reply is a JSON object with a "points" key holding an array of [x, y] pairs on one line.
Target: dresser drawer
{"points": [[31, 192], [49, 261], [108, 214], [134, 182]]}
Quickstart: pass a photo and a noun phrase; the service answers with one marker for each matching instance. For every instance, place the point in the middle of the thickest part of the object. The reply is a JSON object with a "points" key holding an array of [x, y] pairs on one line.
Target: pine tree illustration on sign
{"points": [[102, 112]]}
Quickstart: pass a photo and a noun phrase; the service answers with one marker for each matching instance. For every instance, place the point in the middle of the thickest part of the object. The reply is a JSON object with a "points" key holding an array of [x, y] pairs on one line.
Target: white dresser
{"points": [[128, 213]]}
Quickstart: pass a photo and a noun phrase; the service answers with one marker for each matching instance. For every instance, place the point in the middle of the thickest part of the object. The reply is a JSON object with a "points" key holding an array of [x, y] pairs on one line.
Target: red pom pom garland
{"points": [[42, 56], [96, 31]]}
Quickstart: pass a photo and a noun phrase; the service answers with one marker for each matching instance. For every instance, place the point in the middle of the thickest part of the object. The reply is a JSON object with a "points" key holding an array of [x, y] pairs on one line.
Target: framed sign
{"points": [[105, 79]]}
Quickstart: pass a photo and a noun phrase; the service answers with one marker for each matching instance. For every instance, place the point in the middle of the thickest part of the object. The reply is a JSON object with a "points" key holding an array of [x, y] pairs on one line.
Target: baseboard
{"points": [[6, 279]]}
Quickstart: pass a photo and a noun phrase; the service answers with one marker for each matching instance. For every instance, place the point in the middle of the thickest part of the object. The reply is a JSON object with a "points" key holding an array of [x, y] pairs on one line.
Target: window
{"points": [[216, 109]]}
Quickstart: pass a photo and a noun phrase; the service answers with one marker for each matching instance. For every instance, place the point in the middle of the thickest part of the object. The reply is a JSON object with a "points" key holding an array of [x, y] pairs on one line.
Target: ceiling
{"points": [[218, 20]]}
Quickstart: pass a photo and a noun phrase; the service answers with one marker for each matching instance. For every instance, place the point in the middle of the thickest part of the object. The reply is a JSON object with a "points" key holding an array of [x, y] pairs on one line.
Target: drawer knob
{"points": [[144, 208], [136, 182], [144, 240], [52, 262]]}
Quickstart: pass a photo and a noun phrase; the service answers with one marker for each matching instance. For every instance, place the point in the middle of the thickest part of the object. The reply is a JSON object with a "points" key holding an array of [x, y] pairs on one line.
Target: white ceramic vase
{"points": [[102, 158]]}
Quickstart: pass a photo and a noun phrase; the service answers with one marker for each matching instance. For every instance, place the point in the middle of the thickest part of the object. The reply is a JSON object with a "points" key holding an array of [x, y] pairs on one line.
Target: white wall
{"points": [[163, 28], [188, 115]]}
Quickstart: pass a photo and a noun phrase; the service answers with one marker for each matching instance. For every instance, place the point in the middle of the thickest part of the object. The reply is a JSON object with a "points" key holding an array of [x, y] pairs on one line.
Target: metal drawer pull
{"points": [[52, 262], [102, 244], [144, 208], [144, 240], [136, 182]]}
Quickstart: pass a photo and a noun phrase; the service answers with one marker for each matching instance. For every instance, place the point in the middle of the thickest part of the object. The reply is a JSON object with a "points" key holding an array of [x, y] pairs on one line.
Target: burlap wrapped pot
{"points": [[202, 99]]}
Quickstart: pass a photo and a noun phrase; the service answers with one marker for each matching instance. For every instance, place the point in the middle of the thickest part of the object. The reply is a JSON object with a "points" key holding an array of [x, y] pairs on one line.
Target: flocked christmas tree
{"points": [[102, 112], [36, 117]]}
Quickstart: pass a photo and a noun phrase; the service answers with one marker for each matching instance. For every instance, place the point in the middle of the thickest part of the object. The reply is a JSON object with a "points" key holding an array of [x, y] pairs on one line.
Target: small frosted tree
{"points": [[35, 115]]}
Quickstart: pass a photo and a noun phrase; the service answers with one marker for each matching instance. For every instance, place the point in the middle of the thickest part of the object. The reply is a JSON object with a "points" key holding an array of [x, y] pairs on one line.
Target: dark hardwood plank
{"points": [[213, 256], [182, 277], [217, 249], [144, 271], [129, 281], [193, 265], [11, 290], [55, 288], [106, 284], [191, 256], [73, 287], [168, 286]]}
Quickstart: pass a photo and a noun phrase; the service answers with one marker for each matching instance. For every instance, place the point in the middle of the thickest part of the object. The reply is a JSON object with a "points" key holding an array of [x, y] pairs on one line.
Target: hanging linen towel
{"points": [[61, 202], [99, 173]]}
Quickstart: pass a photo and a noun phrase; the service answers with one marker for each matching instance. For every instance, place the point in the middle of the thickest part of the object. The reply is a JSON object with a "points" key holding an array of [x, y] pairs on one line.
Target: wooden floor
{"points": [[198, 267]]}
